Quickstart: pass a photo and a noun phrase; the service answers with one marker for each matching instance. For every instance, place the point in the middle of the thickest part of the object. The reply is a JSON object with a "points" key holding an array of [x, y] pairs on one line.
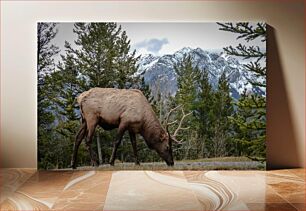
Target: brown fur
{"points": [[125, 109]]}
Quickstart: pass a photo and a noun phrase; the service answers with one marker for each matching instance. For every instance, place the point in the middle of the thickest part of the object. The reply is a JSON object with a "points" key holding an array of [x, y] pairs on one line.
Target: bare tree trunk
{"points": [[121, 155], [188, 148], [56, 167], [99, 149], [202, 148]]}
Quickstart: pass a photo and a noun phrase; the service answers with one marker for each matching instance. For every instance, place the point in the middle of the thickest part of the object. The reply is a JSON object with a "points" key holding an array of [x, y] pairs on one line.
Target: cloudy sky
{"points": [[165, 38]]}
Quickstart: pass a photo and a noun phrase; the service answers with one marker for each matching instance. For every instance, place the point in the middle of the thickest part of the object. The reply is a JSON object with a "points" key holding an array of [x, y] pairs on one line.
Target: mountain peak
{"points": [[147, 56], [159, 70], [184, 50]]}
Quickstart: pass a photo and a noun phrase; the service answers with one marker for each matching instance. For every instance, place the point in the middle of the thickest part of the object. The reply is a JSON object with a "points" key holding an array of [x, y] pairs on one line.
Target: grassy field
{"points": [[222, 163], [220, 159]]}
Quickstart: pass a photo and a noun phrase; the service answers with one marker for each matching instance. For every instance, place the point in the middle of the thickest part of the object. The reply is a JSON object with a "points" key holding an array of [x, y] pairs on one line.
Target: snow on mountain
{"points": [[159, 73]]}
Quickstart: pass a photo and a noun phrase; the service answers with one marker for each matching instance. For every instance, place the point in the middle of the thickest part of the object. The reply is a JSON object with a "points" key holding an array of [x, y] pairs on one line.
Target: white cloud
{"points": [[151, 46]]}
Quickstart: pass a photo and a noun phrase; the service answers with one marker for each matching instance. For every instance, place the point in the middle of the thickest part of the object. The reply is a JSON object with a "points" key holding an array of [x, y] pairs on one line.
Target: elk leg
{"points": [[93, 155], [81, 134], [133, 141], [121, 131]]}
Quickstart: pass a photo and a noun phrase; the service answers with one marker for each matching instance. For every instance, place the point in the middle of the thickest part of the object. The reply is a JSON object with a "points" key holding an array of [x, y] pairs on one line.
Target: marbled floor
{"points": [[28, 189]]}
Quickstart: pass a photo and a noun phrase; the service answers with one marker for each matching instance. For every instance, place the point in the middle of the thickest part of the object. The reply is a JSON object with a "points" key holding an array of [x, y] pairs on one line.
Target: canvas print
{"points": [[174, 96]]}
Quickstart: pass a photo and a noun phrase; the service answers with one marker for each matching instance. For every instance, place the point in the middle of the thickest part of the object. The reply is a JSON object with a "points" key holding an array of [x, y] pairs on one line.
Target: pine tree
{"points": [[45, 65], [248, 32], [45, 50], [250, 125], [186, 96], [186, 77], [251, 108], [103, 55], [205, 114], [223, 108], [145, 89], [69, 84]]}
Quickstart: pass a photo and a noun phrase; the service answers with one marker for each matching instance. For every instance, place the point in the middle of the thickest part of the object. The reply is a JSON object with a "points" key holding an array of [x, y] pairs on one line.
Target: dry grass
{"points": [[220, 159], [222, 163]]}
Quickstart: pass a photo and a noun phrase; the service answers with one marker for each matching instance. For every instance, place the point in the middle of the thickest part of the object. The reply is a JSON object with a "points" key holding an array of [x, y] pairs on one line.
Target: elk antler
{"points": [[173, 137], [168, 116]]}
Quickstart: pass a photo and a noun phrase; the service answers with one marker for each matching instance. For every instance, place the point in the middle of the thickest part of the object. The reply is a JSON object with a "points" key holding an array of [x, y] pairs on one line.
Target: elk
{"points": [[127, 110]]}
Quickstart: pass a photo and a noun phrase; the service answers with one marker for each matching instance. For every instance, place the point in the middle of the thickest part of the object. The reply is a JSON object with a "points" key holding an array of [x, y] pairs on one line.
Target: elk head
{"points": [[164, 148]]}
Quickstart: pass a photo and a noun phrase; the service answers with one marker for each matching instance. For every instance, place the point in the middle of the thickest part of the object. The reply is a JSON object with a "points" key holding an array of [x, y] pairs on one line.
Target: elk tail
{"points": [[77, 100], [80, 99], [82, 114]]}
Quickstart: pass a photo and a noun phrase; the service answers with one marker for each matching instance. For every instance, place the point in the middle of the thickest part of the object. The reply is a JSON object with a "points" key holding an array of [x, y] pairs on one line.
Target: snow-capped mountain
{"points": [[159, 73]]}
